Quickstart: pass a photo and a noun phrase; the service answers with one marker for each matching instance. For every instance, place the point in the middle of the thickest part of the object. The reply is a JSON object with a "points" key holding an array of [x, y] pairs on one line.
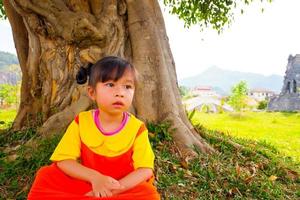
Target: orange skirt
{"points": [[53, 184]]}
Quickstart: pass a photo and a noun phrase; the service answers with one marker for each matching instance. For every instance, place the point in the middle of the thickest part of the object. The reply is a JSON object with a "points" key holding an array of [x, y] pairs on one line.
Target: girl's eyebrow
{"points": [[129, 81]]}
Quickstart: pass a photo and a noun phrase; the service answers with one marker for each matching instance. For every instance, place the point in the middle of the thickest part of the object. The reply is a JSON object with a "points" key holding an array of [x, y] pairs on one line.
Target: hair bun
{"points": [[81, 76], [83, 73]]}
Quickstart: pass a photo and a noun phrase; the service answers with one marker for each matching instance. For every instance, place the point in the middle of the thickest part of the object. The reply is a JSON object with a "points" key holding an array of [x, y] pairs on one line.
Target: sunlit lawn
{"points": [[281, 130], [6, 117]]}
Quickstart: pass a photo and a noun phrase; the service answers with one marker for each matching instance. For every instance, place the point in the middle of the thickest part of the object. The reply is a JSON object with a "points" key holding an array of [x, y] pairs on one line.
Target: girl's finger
{"points": [[108, 193], [103, 194], [97, 194]]}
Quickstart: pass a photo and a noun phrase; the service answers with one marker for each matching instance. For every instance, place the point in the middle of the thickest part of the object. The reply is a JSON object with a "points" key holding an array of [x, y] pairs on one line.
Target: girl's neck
{"points": [[110, 123]]}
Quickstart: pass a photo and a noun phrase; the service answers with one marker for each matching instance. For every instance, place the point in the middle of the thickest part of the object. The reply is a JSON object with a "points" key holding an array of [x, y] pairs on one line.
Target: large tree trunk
{"points": [[54, 38]]}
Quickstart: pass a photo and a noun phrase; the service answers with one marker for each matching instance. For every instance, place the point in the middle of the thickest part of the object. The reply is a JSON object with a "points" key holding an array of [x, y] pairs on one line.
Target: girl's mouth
{"points": [[118, 103]]}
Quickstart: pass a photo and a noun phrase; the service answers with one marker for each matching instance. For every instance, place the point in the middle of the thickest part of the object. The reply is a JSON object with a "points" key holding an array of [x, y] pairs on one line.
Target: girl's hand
{"points": [[103, 185], [115, 192]]}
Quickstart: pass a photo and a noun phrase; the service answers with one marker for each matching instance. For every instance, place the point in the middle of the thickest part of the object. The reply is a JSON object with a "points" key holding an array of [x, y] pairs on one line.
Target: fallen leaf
{"points": [[151, 135], [181, 184], [188, 172], [292, 175], [273, 178], [248, 179], [184, 164], [238, 169]]}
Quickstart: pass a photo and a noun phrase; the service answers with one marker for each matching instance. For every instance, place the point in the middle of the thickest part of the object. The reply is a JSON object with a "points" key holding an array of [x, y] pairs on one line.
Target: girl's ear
{"points": [[91, 93]]}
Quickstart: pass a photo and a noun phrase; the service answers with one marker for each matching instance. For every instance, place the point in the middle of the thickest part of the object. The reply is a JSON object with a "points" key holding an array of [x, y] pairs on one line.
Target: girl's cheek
{"points": [[132, 92]]}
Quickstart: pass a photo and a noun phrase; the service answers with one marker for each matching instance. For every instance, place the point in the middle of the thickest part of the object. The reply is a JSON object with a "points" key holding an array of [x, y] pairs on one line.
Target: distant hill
{"points": [[7, 59], [222, 80], [10, 72]]}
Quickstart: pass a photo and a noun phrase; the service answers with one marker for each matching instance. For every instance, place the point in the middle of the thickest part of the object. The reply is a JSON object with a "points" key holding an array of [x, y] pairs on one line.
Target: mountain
{"points": [[10, 72], [223, 80], [7, 59]]}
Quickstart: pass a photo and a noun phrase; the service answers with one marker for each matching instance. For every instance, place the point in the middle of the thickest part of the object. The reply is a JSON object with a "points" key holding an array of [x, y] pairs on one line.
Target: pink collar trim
{"points": [[97, 122]]}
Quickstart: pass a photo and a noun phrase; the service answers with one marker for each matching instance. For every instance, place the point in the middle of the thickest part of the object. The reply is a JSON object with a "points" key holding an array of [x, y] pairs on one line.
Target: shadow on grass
{"points": [[289, 113]]}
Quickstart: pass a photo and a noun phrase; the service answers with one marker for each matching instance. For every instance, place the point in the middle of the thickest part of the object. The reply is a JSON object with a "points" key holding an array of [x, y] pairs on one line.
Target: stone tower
{"points": [[289, 98]]}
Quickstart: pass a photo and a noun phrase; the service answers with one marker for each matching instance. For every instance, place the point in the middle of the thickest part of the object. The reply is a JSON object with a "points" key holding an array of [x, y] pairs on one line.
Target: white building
{"points": [[260, 94], [204, 91]]}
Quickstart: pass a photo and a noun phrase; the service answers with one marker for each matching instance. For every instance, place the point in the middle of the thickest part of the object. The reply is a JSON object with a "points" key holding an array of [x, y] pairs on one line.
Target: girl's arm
{"points": [[101, 184], [134, 178], [78, 171]]}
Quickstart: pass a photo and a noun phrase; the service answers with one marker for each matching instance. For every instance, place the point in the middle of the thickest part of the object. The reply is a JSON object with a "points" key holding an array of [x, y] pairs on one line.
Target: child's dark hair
{"points": [[107, 68]]}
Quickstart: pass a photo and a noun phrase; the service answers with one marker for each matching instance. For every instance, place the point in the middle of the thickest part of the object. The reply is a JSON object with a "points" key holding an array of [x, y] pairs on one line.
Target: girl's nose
{"points": [[119, 92], [119, 95]]}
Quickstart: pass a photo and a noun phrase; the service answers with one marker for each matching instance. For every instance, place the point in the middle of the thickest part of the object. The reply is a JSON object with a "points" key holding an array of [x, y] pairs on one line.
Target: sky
{"points": [[255, 42], [6, 38], [258, 42]]}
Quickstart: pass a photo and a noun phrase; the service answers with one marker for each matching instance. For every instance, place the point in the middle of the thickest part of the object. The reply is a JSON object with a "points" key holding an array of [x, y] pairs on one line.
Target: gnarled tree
{"points": [[53, 38]]}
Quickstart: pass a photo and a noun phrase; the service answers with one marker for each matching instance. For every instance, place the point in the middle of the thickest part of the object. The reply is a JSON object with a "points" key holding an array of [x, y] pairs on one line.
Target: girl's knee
{"points": [[46, 171]]}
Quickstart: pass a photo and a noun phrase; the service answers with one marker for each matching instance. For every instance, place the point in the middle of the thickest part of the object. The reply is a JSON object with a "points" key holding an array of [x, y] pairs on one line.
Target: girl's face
{"points": [[114, 97]]}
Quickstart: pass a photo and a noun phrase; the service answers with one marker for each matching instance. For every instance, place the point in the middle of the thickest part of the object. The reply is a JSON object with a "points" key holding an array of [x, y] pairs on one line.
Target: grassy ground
{"points": [[6, 117], [281, 130], [252, 172]]}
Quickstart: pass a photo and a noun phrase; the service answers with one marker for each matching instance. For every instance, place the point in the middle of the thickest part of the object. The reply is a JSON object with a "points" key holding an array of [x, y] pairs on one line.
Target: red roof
{"points": [[206, 88]]}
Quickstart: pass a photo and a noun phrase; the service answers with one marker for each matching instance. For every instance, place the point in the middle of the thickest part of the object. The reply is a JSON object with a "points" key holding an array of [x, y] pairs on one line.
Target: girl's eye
{"points": [[109, 84], [128, 86]]}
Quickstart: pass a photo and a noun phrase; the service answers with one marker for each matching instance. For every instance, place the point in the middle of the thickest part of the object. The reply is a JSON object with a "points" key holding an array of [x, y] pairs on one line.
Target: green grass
{"points": [[6, 117], [281, 130], [232, 173], [18, 166]]}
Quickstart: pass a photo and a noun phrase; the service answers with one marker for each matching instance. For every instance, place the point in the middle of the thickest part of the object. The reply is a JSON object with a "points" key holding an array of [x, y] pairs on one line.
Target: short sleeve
{"points": [[143, 155], [69, 145]]}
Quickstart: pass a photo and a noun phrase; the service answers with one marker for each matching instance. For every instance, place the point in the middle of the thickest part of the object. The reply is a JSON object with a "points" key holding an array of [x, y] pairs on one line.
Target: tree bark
{"points": [[21, 43], [61, 36]]}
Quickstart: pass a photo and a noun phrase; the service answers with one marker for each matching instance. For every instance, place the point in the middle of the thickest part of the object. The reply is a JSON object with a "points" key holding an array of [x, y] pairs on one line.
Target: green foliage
{"points": [[191, 115], [262, 105], [159, 132], [17, 137], [186, 93], [215, 13], [9, 94], [183, 91], [2, 11], [205, 108], [238, 97]]}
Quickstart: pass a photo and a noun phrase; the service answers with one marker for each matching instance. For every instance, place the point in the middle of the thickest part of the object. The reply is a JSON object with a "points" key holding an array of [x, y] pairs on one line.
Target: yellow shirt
{"points": [[110, 146]]}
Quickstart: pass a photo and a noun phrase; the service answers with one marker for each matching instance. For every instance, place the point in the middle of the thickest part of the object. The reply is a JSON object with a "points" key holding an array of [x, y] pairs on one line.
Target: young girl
{"points": [[105, 153]]}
